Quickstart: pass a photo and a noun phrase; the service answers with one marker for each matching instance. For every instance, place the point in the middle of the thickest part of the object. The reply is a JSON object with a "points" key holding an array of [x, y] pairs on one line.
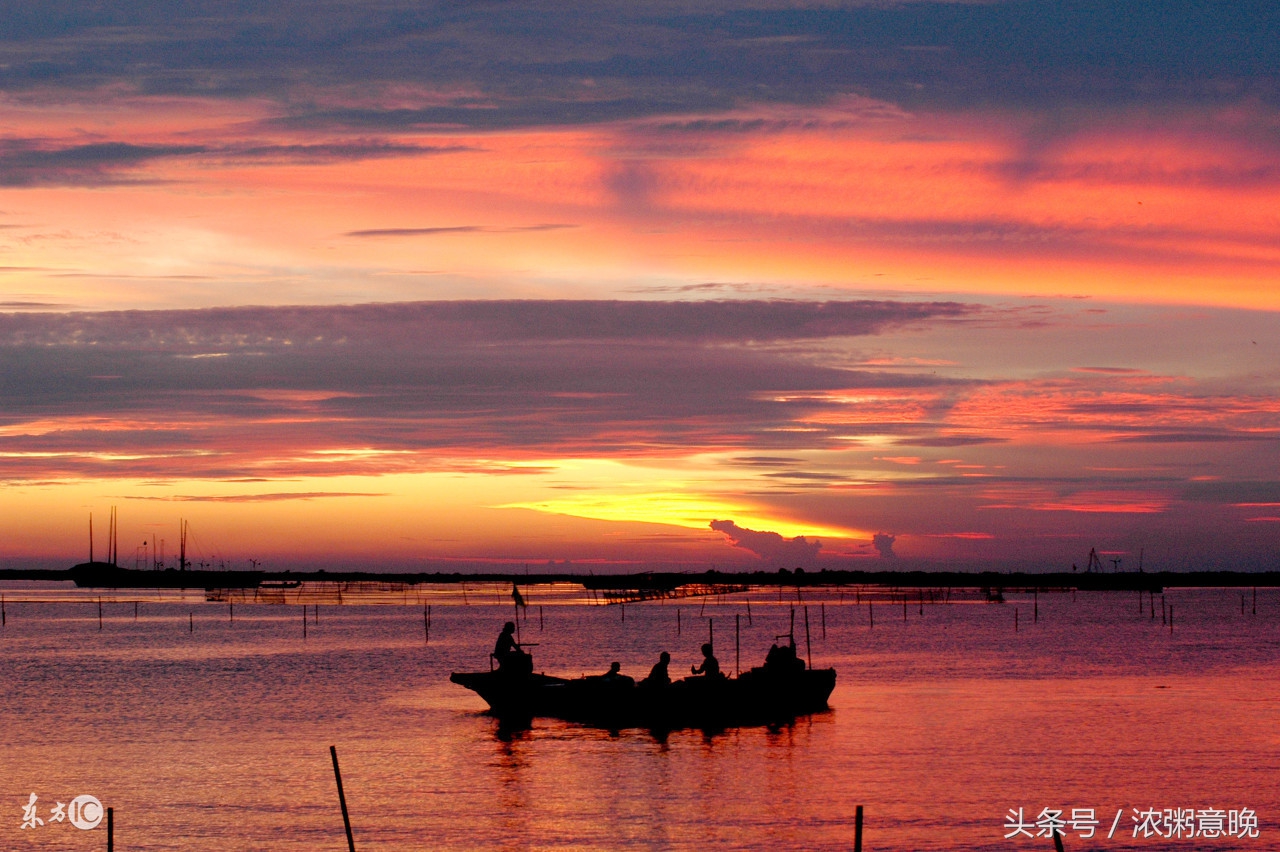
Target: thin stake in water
{"points": [[808, 647], [737, 652], [342, 800]]}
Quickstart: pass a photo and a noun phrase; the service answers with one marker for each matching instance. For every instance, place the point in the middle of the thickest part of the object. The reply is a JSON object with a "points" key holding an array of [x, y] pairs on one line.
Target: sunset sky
{"points": [[410, 285]]}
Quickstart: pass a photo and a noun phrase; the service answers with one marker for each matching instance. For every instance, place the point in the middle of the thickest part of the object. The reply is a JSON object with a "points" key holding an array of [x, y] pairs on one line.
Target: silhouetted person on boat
{"points": [[658, 676], [710, 667], [782, 659], [615, 676], [507, 651]]}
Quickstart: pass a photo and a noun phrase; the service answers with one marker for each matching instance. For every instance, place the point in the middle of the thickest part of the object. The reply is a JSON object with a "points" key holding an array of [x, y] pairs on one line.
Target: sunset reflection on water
{"points": [[206, 733]]}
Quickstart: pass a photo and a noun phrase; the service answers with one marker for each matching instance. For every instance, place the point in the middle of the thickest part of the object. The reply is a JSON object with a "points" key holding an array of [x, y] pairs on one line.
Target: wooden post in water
{"points": [[677, 621], [737, 648], [871, 615], [342, 800], [231, 613], [857, 830], [426, 623], [808, 647], [904, 607], [99, 613], [711, 634], [623, 607], [4, 616], [1163, 609], [749, 621], [1015, 619], [1255, 600], [1035, 596], [304, 621], [1170, 619], [539, 618], [823, 609]]}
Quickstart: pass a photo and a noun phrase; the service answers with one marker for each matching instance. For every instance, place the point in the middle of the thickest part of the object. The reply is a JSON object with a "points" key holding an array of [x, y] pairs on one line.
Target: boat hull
{"points": [[758, 697]]}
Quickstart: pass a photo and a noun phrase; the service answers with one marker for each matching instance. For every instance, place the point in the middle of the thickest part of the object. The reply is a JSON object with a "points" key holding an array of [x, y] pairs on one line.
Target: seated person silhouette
{"points": [[658, 676], [782, 659], [615, 676], [710, 667], [511, 658]]}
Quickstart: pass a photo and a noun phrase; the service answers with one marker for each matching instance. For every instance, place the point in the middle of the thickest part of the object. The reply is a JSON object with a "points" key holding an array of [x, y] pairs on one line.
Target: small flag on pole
{"points": [[516, 596]]}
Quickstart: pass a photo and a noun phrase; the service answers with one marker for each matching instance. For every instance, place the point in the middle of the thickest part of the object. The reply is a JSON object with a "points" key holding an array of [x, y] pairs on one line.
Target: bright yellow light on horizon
{"points": [[692, 511]]}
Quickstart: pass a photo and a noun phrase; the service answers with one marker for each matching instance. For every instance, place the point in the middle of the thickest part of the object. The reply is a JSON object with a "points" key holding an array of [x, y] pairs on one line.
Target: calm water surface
{"points": [[208, 734]]}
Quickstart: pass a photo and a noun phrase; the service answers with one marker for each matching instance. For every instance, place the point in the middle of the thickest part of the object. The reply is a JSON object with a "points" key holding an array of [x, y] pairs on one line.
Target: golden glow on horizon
{"points": [[673, 508]]}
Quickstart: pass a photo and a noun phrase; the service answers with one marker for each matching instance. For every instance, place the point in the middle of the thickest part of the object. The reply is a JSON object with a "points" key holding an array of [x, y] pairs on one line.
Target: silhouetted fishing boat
{"points": [[766, 694]]}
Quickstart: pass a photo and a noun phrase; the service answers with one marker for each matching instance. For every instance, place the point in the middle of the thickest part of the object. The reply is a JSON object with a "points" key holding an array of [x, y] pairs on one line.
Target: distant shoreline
{"points": [[105, 576]]}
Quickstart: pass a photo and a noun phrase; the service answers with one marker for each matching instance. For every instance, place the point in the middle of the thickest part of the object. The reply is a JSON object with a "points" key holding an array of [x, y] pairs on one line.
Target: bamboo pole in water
{"points": [[737, 648], [808, 646], [342, 800]]}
